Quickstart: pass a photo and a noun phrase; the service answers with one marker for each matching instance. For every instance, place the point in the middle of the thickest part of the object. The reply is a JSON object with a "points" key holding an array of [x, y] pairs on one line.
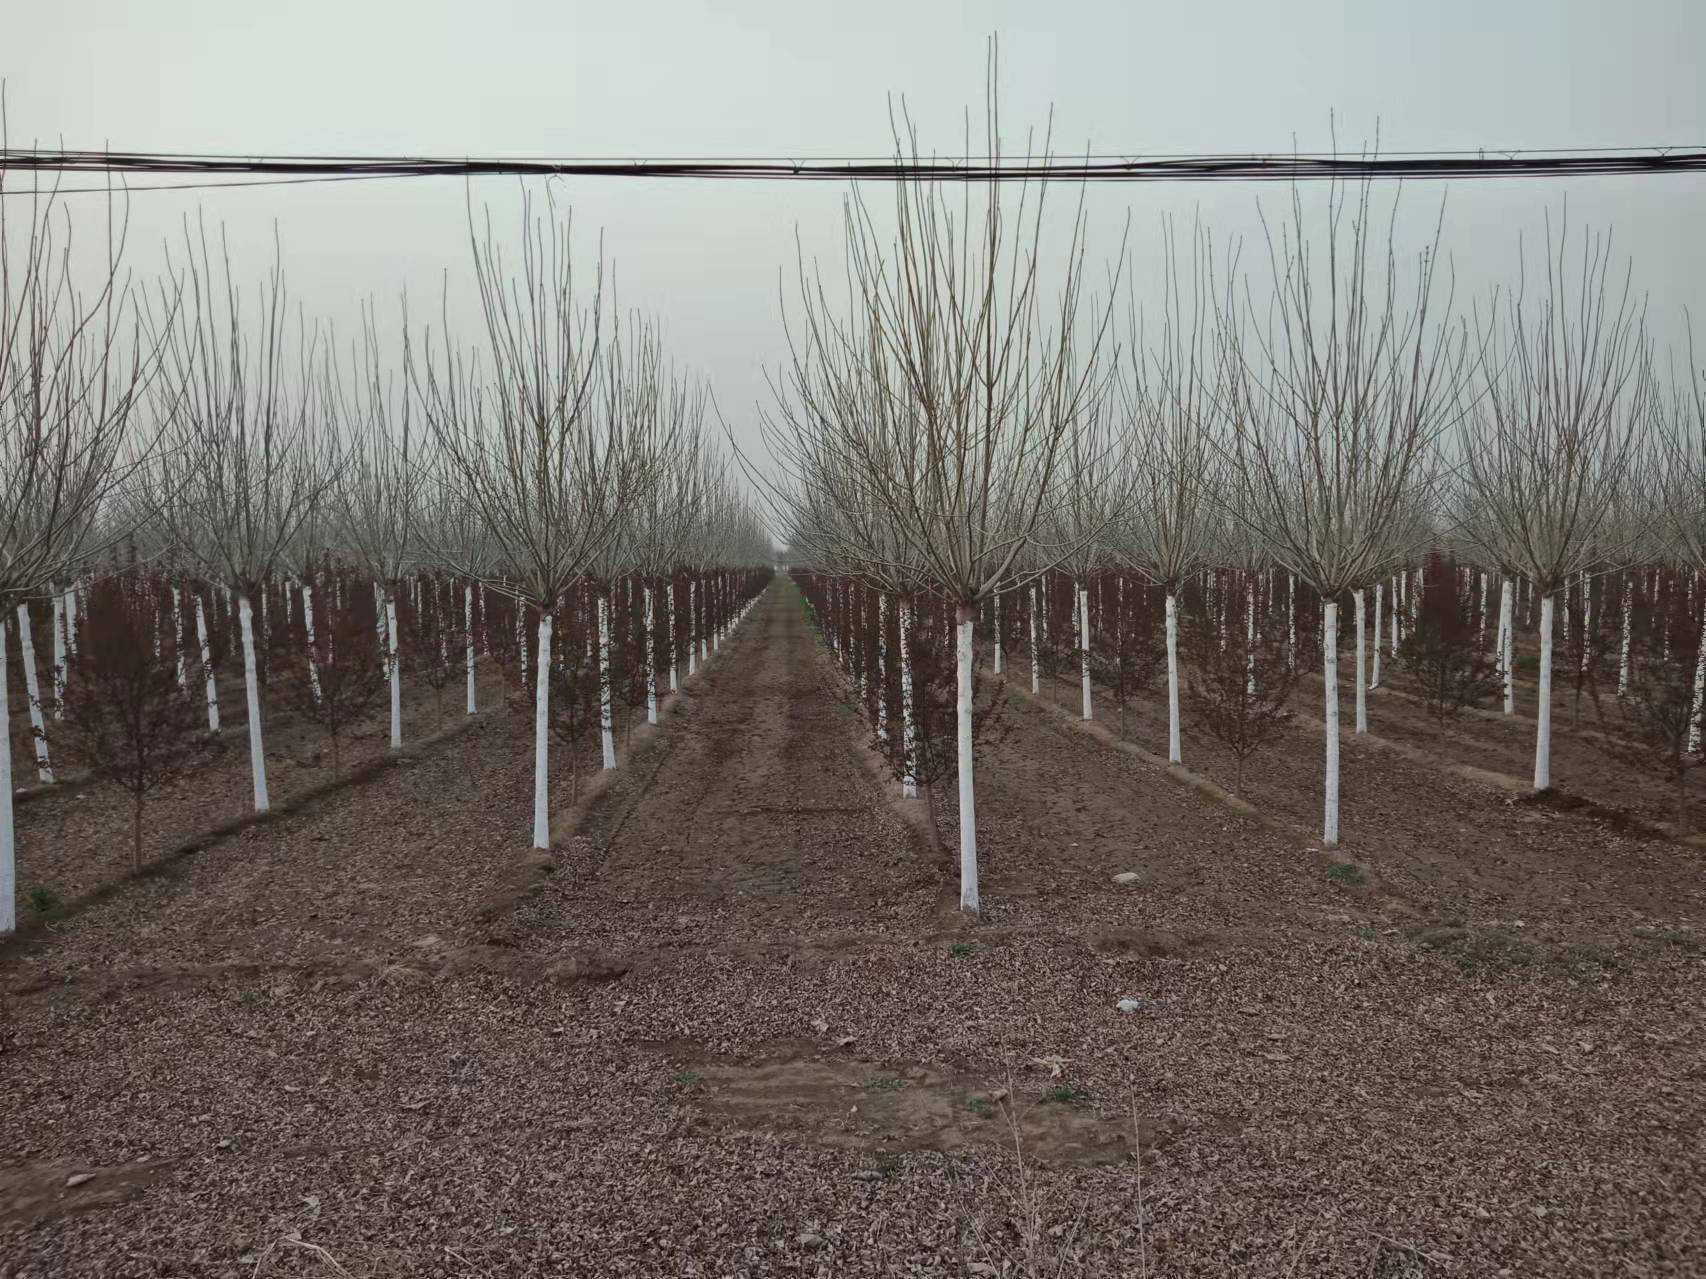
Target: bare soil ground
{"points": [[727, 1028]]}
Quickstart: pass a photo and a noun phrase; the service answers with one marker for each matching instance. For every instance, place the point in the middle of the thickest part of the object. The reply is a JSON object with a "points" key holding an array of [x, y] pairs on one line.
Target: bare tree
{"points": [[986, 377], [74, 364], [514, 421], [1550, 441], [1332, 407], [243, 466], [376, 502]]}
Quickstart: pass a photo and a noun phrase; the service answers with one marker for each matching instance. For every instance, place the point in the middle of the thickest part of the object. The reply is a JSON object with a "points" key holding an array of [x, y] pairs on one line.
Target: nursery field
{"points": [[732, 1022]]}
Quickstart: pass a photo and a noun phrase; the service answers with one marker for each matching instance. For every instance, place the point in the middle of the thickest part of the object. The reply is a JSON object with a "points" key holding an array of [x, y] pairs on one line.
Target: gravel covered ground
{"points": [[729, 1029]]}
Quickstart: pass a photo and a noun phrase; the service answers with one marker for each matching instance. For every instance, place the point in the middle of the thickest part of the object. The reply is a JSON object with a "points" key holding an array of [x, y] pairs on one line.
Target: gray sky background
{"points": [[782, 78]]}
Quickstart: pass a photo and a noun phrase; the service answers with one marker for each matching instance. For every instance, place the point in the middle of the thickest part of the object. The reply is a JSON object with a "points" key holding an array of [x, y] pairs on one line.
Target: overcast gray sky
{"points": [[781, 77]]}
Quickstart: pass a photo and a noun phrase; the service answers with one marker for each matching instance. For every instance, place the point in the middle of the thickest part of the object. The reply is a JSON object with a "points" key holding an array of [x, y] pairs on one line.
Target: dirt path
{"points": [[752, 819]]}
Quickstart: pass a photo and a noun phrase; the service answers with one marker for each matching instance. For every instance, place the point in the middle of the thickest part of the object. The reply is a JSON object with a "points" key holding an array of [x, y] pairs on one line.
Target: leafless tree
{"points": [[515, 421], [1551, 436], [243, 464], [75, 363], [1332, 404]]}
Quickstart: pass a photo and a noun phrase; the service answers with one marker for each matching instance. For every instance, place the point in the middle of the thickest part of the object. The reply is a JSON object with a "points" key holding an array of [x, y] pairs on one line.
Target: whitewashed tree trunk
{"points": [[1173, 753], [468, 639], [909, 738], [1623, 647], [968, 797], [1699, 694], [252, 687], [542, 743], [32, 688], [882, 668], [693, 627], [1330, 678], [1587, 621], [8, 846], [651, 660], [71, 619], [1507, 642], [997, 635], [1397, 635], [394, 670], [59, 647], [606, 722], [308, 630], [1362, 665], [1250, 636], [669, 613], [1036, 664], [59, 650], [1291, 623], [1543, 713], [207, 666], [1084, 647]]}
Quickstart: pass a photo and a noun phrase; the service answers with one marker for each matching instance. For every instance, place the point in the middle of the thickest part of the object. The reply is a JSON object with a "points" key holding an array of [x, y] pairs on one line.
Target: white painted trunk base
{"points": [[252, 687], [1330, 677]]}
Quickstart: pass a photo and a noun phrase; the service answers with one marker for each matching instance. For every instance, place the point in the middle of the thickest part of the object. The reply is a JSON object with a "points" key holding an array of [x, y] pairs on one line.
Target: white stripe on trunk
{"points": [[207, 666], [909, 779], [651, 660], [542, 744], [1543, 713], [252, 686], [1173, 754], [8, 848], [606, 726], [1362, 666], [968, 797], [1084, 646], [38, 724], [468, 636], [395, 670], [1330, 678]]}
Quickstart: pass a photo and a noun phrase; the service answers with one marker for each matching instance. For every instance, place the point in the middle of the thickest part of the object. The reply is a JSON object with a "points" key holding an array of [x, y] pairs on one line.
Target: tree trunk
{"points": [[1507, 642], [1036, 668], [1362, 667], [207, 665], [909, 737], [542, 739], [468, 637], [669, 613], [651, 659], [605, 724], [8, 848], [1543, 713], [1083, 602], [251, 686], [968, 798], [394, 669], [32, 689], [1174, 756], [1330, 678]]}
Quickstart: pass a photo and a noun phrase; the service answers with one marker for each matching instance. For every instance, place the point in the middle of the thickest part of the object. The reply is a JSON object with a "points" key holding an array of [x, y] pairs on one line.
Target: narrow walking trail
{"points": [[752, 815]]}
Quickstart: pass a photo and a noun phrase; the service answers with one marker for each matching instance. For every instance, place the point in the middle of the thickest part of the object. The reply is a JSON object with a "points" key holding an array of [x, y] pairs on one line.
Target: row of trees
{"points": [[971, 429], [187, 425], [1630, 656]]}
